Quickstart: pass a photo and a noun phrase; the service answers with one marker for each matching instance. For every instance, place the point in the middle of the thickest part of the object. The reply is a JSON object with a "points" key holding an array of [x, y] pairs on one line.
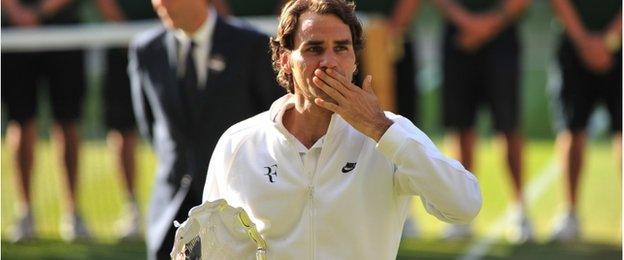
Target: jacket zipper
{"points": [[312, 233]]}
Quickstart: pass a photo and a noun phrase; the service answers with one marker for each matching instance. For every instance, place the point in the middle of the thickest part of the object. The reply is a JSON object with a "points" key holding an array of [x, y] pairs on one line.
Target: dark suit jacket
{"points": [[240, 84]]}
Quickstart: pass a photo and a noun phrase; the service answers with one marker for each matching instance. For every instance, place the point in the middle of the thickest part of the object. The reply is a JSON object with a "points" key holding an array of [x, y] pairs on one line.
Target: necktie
{"points": [[190, 72], [189, 83]]}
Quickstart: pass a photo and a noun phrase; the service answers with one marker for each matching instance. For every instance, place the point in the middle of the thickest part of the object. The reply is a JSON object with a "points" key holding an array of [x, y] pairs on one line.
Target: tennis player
{"points": [[325, 173]]}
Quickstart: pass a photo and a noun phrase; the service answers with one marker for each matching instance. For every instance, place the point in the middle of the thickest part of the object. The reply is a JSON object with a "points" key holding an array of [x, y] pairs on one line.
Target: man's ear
{"points": [[285, 62]]}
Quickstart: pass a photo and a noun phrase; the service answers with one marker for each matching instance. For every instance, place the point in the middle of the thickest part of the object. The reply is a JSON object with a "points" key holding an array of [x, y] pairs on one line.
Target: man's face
{"points": [[321, 41], [175, 12]]}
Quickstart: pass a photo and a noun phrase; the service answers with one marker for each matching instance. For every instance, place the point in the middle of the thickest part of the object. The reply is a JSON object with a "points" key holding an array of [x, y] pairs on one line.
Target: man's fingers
{"points": [[330, 91], [330, 81], [339, 77], [327, 105], [367, 84]]}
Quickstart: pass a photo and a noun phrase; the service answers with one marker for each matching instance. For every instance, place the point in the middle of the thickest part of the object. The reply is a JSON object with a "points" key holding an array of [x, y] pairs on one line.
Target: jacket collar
{"points": [[279, 106]]}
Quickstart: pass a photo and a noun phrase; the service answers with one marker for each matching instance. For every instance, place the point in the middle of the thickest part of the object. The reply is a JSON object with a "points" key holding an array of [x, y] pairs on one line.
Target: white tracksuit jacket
{"points": [[353, 205]]}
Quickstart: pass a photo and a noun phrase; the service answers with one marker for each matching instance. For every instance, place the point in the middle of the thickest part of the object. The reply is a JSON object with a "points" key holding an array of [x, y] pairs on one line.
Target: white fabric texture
{"points": [[352, 204]]}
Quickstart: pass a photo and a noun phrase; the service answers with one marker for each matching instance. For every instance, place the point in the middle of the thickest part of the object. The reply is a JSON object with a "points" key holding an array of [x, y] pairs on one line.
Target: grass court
{"points": [[101, 197]]}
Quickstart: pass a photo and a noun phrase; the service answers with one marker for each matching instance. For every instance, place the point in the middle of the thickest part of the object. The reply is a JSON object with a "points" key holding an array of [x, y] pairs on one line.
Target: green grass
{"points": [[600, 202], [101, 194], [55, 249], [436, 249], [101, 200]]}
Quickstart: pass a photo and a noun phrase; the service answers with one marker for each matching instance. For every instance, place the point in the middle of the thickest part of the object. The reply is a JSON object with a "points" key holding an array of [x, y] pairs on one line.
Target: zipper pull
{"points": [[311, 192]]}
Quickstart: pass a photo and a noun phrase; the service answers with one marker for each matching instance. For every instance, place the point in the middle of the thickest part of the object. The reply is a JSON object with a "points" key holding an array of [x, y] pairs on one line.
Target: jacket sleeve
{"points": [[140, 104], [448, 191], [211, 188], [218, 166]]}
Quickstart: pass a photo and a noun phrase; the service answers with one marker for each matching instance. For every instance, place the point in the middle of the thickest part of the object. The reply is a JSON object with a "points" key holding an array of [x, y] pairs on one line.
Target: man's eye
{"points": [[341, 48], [315, 49]]}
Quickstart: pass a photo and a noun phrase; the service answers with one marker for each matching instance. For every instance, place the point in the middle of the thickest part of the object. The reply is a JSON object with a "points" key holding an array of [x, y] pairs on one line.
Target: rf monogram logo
{"points": [[271, 172]]}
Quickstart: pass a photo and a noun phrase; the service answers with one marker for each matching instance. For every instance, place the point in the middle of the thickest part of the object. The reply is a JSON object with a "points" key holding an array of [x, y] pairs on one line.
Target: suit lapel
{"points": [[215, 66], [172, 53], [172, 87], [218, 54]]}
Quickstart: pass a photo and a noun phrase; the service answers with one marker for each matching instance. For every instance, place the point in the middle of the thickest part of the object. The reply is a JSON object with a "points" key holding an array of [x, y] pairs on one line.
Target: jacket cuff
{"points": [[392, 141]]}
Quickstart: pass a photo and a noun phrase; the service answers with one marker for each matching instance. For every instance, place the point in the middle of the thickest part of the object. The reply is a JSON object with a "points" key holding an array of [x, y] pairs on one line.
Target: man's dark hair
{"points": [[289, 21]]}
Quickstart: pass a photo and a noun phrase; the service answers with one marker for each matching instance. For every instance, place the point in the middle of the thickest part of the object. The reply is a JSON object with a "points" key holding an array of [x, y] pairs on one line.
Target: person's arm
{"points": [[448, 191], [591, 47], [571, 21], [48, 8], [402, 15], [470, 34], [453, 12], [510, 11], [140, 104], [485, 26], [110, 10], [477, 29], [11, 5], [20, 15], [218, 165]]}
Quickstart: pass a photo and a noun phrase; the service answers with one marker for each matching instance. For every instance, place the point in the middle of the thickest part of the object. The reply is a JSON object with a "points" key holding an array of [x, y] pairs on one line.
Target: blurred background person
{"points": [[590, 59], [396, 17], [24, 74], [481, 66], [117, 107], [190, 81]]}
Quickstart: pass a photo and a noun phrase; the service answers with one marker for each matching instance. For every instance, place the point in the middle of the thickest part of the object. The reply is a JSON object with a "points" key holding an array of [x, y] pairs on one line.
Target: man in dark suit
{"points": [[190, 81]]}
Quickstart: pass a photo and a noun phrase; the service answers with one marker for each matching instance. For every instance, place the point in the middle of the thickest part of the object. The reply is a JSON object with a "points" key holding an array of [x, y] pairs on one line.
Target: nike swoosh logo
{"points": [[348, 167]]}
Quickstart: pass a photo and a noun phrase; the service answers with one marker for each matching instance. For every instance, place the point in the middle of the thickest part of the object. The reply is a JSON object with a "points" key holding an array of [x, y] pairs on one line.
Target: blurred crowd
{"points": [[481, 67]]}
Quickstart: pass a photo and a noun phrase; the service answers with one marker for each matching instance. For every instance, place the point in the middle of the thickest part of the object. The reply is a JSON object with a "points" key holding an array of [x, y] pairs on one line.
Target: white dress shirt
{"points": [[203, 44]]}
